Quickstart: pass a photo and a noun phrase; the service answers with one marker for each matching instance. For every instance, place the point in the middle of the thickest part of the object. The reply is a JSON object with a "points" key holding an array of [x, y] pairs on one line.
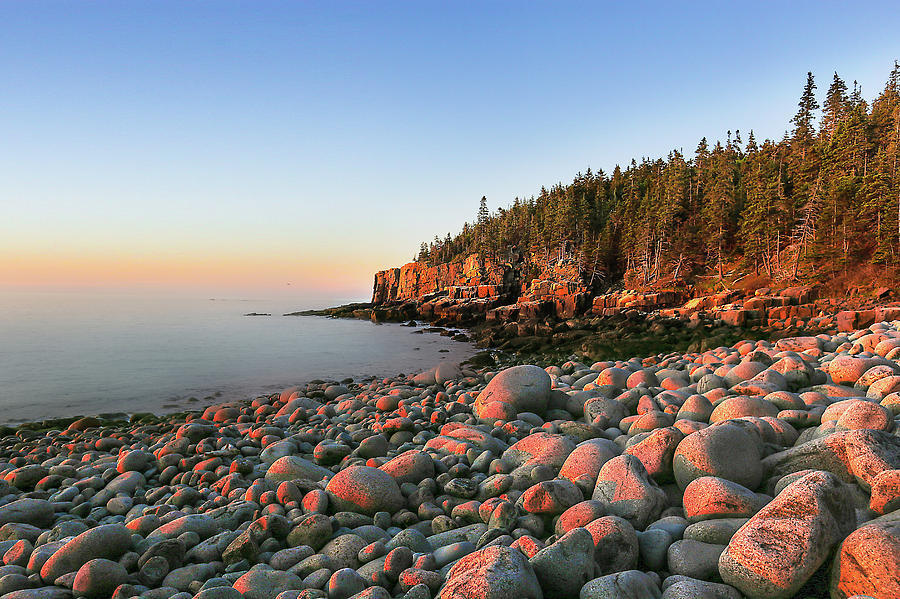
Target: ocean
{"points": [[67, 354]]}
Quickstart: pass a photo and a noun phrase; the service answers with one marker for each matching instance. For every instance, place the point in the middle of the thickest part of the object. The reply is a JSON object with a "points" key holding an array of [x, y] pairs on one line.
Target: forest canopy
{"points": [[823, 198]]}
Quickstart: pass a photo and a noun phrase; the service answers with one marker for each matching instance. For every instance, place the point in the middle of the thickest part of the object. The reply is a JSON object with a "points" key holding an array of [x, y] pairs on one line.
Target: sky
{"points": [[298, 147]]}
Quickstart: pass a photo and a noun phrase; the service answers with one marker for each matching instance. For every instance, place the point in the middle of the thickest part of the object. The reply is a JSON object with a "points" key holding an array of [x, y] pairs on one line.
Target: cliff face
{"points": [[532, 289], [413, 281]]}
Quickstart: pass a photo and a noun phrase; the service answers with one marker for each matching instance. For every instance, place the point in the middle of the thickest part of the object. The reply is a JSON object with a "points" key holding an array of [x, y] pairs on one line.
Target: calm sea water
{"points": [[82, 353]]}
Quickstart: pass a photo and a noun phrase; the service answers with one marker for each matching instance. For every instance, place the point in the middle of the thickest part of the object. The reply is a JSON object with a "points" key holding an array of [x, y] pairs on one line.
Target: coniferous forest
{"points": [[822, 200]]}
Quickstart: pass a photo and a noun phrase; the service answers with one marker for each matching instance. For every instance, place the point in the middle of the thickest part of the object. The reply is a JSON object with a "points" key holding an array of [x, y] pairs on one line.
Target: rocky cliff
{"points": [[415, 281], [532, 289]]}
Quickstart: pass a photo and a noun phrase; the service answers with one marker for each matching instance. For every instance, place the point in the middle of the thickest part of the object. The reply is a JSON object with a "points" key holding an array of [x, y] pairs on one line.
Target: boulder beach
{"points": [[759, 470]]}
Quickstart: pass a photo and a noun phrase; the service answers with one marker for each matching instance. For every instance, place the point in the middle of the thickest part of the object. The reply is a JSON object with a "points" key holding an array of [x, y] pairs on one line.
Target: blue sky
{"points": [[242, 145]]}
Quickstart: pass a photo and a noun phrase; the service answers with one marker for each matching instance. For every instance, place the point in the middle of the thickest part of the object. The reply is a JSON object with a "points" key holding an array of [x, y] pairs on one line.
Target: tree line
{"points": [[822, 199]]}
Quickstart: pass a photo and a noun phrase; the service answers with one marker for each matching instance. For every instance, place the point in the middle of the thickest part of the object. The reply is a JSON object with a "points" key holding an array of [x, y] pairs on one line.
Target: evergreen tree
{"points": [[836, 103]]}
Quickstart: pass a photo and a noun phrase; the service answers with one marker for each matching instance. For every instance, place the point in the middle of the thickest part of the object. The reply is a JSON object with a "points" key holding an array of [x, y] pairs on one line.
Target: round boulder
{"points": [[868, 562], [364, 490], [266, 584], [412, 466], [98, 578], [724, 450], [495, 572], [520, 389]]}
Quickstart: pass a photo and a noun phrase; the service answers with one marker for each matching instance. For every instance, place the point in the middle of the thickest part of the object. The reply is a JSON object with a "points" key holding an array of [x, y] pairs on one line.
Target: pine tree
{"points": [[803, 120], [836, 104], [481, 225]]}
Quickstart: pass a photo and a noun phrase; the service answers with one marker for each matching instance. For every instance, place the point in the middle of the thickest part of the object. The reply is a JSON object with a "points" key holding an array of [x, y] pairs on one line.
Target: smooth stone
{"points": [[345, 583], [695, 559], [653, 545], [181, 578], [37, 512], [711, 497], [566, 565], [717, 532], [853, 456], [365, 490], [626, 490], [495, 572], [227, 592], [630, 584], [107, 541], [552, 497], [99, 578], [50, 592], [655, 450], [616, 545], [344, 550], [313, 530], [292, 467], [470, 533], [450, 553], [513, 390], [201, 524], [411, 538], [684, 587], [725, 450], [266, 584]]}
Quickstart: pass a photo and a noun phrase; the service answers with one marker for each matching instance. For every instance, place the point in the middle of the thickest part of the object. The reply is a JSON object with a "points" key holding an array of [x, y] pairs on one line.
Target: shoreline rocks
{"points": [[753, 469]]}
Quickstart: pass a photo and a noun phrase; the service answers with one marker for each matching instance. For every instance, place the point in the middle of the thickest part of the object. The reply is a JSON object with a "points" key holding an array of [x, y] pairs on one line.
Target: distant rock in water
{"points": [[257, 314]]}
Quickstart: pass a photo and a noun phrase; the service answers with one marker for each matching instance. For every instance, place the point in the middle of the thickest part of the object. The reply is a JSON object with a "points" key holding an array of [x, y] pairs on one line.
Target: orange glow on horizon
{"points": [[98, 269]]}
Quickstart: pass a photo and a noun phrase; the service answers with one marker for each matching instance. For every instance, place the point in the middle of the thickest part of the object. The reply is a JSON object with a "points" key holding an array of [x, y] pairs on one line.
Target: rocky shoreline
{"points": [[756, 469]]}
